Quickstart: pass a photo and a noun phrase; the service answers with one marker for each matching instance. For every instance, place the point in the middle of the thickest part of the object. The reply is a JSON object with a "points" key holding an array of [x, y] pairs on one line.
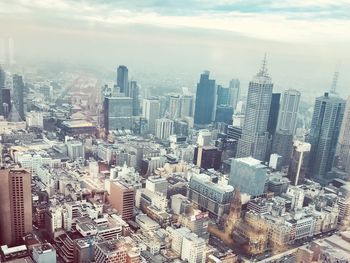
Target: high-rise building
{"points": [[164, 128], [122, 198], [234, 93], [298, 162], [5, 101], [174, 106], [133, 92], [186, 106], [223, 95], [286, 125], [151, 112], [205, 106], [35, 119], [117, 113], [18, 94], [224, 114], [207, 157], [325, 127], [2, 78], [15, 206], [343, 146], [254, 140], [273, 115], [122, 79], [249, 175]]}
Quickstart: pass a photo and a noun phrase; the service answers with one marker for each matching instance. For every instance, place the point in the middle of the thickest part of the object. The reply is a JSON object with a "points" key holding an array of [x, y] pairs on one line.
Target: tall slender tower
{"points": [[254, 139], [151, 112], [234, 93], [204, 112], [122, 79], [325, 127], [286, 125], [18, 94], [15, 205]]}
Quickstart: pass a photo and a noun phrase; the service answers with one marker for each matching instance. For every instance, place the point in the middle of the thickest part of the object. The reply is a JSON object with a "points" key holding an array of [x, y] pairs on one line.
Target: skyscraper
{"points": [[2, 78], [273, 115], [122, 79], [15, 205], [223, 95], [134, 94], [6, 101], [255, 136], [122, 198], [205, 106], [234, 93], [186, 106], [286, 125], [151, 112], [343, 146], [18, 94], [174, 106], [325, 127], [117, 113]]}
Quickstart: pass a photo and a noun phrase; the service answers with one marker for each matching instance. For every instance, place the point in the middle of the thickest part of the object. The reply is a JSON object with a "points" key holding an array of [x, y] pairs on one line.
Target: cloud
{"points": [[286, 21]]}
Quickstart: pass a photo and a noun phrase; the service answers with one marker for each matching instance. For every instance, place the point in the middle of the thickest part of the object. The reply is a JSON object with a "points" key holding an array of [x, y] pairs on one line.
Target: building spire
{"points": [[335, 80], [263, 70]]}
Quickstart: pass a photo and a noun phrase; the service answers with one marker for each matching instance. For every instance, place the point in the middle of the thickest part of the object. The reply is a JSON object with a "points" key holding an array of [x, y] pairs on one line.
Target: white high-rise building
{"points": [[174, 106], [164, 128], [234, 92], [186, 106], [254, 140], [204, 138], [75, 150], [151, 112], [287, 118]]}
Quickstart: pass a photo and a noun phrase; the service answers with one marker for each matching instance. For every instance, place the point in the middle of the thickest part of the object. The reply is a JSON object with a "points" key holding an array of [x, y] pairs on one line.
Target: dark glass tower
{"points": [[325, 127], [18, 94], [205, 105], [122, 79]]}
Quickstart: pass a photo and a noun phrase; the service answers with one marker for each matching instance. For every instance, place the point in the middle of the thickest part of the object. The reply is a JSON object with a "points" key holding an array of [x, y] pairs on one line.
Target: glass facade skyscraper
{"points": [[325, 127], [254, 140], [206, 98]]}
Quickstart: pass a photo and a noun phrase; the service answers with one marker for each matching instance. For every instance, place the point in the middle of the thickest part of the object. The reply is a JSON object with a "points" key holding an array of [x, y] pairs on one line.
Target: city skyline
{"points": [[290, 57]]}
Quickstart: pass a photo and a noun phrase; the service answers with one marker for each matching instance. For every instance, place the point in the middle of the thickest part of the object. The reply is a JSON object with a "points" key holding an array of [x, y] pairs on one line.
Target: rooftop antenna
{"points": [[263, 70], [335, 80]]}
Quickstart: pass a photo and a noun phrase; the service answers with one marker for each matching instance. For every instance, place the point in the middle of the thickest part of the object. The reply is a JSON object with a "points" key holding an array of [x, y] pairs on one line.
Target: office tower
{"points": [[325, 127], [164, 128], [15, 206], [224, 114], [204, 112], [18, 94], [343, 146], [222, 95], [174, 106], [6, 101], [298, 162], [75, 150], [204, 138], [249, 175], [234, 93], [134, 94], [151, 112], [273, 115], [46, 91], [122, 199], [286, 125], [117, 113], [180, 127], [254, 140], [238, 115], [186, 106], [122, 79]]}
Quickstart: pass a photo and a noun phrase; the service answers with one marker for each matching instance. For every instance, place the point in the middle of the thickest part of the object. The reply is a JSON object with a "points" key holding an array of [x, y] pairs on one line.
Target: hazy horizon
{"points": [[304, 40]]}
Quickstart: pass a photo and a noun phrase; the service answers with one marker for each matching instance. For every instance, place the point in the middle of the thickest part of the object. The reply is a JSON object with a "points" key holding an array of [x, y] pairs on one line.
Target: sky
{"points": [[305, 40]]}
